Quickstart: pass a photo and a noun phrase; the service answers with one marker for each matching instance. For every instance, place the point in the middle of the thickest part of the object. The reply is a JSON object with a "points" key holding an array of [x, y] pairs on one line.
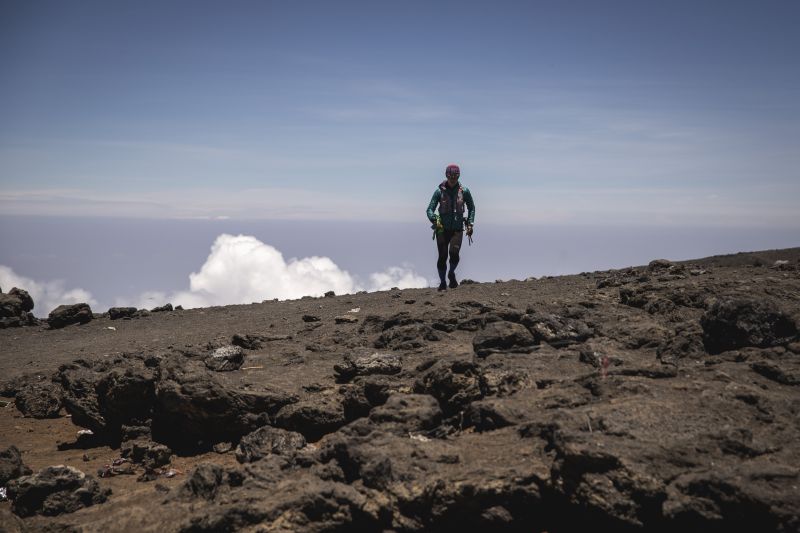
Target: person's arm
{"points": [[470, 207], [431, 212]]}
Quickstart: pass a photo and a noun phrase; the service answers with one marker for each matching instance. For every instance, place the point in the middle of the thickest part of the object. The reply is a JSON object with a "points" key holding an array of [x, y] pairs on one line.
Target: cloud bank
{"points": [[241, 269], [47, 295]]}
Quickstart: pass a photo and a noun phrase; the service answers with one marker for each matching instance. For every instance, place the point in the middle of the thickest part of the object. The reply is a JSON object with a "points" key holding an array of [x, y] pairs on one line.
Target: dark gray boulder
{"points": [[313, 418], [735, 323], [15, 309], [54, 491], [11, 465], [39, 399], [248, 342], [411, 412], [115, 313], [105, 394], [225, 359], [365, 365], [503, 336], [26, 302], [146, 452], [193, 406], [555, 330], [162, 308], [454, 383], [267, 441], [64, 315]]}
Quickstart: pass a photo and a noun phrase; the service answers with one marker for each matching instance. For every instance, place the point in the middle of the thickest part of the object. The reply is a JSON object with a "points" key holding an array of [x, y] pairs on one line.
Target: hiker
{"points": [[449, 224]]}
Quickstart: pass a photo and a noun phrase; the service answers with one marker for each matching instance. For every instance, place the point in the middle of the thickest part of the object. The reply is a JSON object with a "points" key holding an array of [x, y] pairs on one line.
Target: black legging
{"points": [[451, 239]]}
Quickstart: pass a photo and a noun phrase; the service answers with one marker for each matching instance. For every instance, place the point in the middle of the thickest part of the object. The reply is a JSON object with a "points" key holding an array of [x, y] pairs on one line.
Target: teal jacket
{"points": [[451, 212]]}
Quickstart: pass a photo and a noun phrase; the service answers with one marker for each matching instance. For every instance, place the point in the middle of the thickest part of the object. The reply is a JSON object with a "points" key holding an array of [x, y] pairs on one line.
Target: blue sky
{"points": [[664, 113]]}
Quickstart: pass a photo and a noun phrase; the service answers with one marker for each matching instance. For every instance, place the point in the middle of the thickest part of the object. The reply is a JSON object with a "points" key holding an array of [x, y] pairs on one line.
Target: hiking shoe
{"points": [[453, 282], [443, 286]]}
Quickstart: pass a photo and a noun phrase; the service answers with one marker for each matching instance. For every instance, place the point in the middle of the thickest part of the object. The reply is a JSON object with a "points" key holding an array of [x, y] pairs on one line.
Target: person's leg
{"points": [[442, 240], [455, 250]]}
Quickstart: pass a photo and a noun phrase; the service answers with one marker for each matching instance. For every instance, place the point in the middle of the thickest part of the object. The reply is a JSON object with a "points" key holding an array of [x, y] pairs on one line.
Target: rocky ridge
{"points": [[658, 397]]}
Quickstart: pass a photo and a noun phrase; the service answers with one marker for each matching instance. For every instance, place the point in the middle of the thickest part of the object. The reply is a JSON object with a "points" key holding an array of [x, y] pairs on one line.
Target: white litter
{"points": [[112, 328], [85, 432], [3, 494], [354, 310], [420, 438]]}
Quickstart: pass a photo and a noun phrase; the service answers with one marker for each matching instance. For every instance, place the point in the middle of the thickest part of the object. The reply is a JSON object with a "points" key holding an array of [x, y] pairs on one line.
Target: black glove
{"points": [[469, 230]]}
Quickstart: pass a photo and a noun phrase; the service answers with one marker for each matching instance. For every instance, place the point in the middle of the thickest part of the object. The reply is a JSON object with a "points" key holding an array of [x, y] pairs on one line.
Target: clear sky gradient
{"points": [[559, 112]]}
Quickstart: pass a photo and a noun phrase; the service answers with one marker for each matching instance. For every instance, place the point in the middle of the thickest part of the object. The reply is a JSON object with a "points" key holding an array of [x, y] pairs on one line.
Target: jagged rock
{"points": [[248, 342], [11, 465], [686, 342], [502, 336], [411, 412], [162, 308], [64, 315], [647, 299], [105, 394], [312, 418], [146, 452], [330, 294], [311, 318], [660, 264], [12, 386], [491, 413], [268, 440], [225, 359], [303, 502], [407, 337], [455, 384], [26, 302], [555, 330], [364, 365], [116, 313], [15, 309], [40, 399], [193, 406], [54, 491], [345, 319], [206, 480], [735, 323]]}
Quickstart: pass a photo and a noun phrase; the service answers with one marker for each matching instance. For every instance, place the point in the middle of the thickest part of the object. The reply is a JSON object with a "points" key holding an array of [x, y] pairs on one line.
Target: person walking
{"points": [[449, 225]]}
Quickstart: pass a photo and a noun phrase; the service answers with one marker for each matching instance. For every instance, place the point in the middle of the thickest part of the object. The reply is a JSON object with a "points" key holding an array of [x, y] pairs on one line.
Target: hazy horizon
{"points": [[146, 263]]}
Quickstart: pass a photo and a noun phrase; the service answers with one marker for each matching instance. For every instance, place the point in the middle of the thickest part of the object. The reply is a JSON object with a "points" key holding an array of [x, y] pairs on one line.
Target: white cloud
{"points": [[47, 295], [241, 269]]}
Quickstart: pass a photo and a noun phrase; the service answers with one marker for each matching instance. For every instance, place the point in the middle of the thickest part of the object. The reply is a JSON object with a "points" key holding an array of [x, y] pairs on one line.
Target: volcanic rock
{"points": [[738, 322], [312, 418], [248, 342], [115, 313], [364, 365], [192, 406], [225, 359], [53, 491], [501, 336], [26, 302], [555, 330], [455, 384], [15, 309], [103, 395], [268, 440], [40, 399], [411, 412], [11, 465], [64, 315]]}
